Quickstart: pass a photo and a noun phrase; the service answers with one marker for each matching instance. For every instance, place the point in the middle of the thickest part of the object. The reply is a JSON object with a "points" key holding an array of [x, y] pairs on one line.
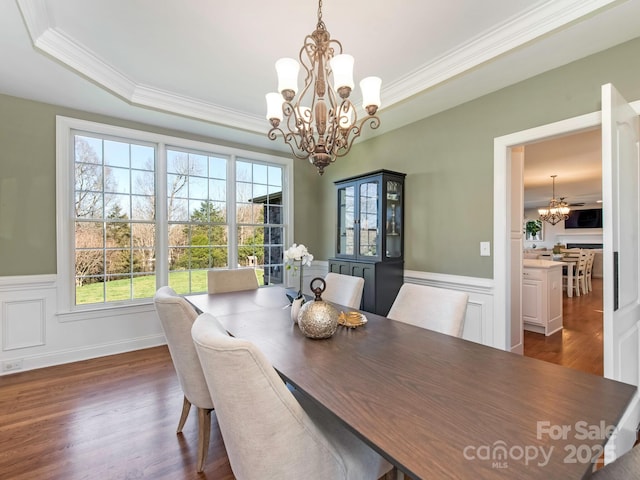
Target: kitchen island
{"points": [[542, 296]]}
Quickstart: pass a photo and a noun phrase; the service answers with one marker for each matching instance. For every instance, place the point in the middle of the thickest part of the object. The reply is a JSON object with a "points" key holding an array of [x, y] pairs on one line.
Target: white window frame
{"points": [[66, 308]]}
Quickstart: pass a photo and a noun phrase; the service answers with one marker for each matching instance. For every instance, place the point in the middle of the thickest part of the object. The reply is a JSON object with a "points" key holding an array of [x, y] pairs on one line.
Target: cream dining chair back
{"points": [[578, 272], [429, 307], [177, 317], [270, 432], [223, 281], [343, 289]]}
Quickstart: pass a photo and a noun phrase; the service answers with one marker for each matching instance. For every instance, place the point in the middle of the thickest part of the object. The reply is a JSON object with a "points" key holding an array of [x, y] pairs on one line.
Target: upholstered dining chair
{"points": [[270, 432], [343, 289], [222, 281], [434, 308], [177, 317]]}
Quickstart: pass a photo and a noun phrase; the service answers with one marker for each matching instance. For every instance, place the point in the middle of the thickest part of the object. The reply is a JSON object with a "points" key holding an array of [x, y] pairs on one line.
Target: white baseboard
{"points": [[31, 362]]}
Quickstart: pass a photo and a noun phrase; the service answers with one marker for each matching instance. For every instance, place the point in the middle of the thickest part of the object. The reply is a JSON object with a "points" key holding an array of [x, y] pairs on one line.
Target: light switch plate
{"points": [[485, 249]]}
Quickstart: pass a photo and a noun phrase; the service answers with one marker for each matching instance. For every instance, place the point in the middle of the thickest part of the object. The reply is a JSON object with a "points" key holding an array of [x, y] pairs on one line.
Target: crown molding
{"points": [[35, 15], [512, 34], [54, 42], [194, 108]]}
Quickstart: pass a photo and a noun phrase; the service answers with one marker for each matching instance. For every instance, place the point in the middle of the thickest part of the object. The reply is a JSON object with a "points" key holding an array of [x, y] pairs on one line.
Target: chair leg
{"points": [[204, 431], [186, 406], [393, 474]]}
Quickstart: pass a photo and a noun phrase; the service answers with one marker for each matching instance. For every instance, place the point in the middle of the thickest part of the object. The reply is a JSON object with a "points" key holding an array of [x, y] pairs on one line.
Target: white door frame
{"points": [[502, 195]]}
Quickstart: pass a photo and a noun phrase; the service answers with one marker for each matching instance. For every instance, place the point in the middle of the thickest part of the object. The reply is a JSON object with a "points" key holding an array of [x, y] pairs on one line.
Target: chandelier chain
{"points": [[321, 25]]}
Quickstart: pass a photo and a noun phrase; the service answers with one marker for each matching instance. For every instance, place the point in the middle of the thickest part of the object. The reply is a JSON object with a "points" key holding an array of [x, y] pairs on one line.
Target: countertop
{"points": [[536, 263]]}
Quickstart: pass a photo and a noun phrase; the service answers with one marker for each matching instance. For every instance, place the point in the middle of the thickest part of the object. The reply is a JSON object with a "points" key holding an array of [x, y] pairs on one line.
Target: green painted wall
{"points": [[28, 181], [448, 159]]}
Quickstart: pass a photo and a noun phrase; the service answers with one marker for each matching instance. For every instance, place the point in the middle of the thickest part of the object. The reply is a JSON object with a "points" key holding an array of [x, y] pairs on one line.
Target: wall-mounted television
{"points": [[587, 218]]}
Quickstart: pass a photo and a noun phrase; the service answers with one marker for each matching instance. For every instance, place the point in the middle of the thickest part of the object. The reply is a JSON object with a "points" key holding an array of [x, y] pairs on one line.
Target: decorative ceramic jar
{"points": [[318, 319]]}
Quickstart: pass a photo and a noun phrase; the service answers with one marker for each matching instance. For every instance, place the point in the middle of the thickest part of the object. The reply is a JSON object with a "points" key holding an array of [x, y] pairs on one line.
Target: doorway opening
{"points": [[508, 220], [576, 160]]}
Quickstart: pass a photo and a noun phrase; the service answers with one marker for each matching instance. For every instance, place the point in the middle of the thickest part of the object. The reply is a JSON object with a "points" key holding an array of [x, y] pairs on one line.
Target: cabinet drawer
{"points": [[532, 274]]}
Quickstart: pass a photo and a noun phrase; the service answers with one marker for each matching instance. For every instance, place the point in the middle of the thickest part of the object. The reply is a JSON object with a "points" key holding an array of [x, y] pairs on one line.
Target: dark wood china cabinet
{"points": [[370, 235]]}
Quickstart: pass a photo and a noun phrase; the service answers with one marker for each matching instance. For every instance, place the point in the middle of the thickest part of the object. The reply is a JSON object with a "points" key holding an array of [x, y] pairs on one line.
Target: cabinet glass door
{"points": [[394, 219], [368, 220], [346, 207]]}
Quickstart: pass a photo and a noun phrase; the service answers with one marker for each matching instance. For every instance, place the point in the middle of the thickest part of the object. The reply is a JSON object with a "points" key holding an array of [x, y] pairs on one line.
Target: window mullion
{"points": [[162, 217], [232, 250]]}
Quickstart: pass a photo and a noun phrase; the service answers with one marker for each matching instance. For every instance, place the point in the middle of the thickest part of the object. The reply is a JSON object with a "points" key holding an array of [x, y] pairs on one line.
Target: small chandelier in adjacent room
{"points": [[557, 209], [321, 123]]}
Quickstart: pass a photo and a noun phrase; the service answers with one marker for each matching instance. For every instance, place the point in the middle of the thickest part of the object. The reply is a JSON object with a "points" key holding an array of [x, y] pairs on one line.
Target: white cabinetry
{"points": [[542, 296]]}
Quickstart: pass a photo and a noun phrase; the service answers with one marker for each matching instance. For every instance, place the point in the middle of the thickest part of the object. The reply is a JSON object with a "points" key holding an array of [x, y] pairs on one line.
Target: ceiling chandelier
{"points": [[320, 123], [557, 209]]}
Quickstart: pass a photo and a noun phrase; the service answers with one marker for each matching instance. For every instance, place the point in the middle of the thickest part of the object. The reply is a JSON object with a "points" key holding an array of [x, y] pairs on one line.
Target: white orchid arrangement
{"points": [[297, 253], [296, 257]]}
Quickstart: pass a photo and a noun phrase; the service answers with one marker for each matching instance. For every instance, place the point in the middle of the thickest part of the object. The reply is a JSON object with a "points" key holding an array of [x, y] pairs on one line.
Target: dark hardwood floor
{"points": [[579, 344], [115, 417], [109, 418]]}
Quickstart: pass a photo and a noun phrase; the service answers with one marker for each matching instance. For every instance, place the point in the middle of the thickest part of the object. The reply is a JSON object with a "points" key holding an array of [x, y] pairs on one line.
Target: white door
{"points": [[621, 235]]}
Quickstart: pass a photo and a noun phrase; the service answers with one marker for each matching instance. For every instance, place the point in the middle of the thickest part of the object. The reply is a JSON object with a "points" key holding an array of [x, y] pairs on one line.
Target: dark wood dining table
{"points": [[436, 406]]}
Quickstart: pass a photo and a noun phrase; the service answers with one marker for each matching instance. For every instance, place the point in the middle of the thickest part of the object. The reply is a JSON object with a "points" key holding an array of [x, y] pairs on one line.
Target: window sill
{"points": [[90, 313]]}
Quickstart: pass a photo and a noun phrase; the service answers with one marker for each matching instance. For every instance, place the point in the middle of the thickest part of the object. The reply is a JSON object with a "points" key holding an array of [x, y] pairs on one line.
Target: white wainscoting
{"points": [[33, 335], [479, 323]]}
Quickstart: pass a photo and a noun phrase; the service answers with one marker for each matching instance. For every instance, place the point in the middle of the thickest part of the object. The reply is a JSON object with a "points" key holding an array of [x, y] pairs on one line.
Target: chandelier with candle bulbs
{"points": [[321, 123], [557, 209]]}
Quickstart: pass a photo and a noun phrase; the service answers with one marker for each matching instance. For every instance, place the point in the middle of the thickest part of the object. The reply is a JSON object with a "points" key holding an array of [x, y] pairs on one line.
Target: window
{"points": [[259, 218], [113, 218], [198, 232], [146, 210]]}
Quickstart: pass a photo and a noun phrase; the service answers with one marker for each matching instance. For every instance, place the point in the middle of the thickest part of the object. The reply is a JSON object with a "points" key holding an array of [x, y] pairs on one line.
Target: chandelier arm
{"points": [[336, 137], [297, 135], [291, 140], [354, 132], [309, 48]]}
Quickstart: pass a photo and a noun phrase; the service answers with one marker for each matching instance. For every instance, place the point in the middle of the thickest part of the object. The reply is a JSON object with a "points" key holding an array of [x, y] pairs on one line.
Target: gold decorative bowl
{"points": [[351, 319]]}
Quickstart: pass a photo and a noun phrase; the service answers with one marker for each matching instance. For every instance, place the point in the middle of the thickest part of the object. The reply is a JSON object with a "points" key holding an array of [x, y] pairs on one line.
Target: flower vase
{"points": [[297, 302], [301, 279], [295, 308]]}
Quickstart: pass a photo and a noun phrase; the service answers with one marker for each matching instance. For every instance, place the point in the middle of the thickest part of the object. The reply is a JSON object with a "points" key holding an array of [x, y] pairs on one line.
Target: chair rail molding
{"points": [[479, 322], [33, 334]]}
